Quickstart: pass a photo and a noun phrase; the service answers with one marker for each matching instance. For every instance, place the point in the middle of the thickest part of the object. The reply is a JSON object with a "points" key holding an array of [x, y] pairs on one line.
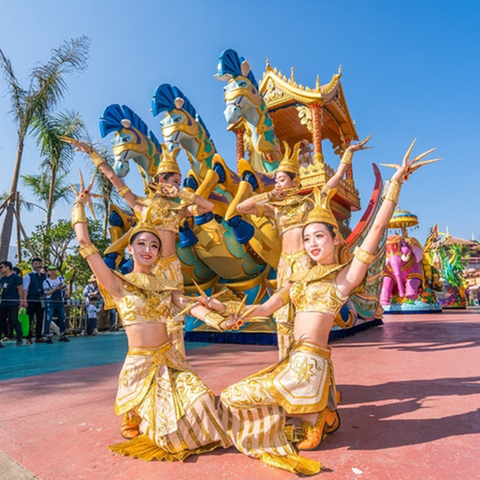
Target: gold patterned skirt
{"points": [[288, 264], [253, 410], [177, 410]]}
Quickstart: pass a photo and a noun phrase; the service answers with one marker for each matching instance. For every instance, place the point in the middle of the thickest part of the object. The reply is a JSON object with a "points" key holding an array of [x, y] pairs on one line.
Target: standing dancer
{"points": [[166, 215], [302, 384], [158, 390], [290, 210]]}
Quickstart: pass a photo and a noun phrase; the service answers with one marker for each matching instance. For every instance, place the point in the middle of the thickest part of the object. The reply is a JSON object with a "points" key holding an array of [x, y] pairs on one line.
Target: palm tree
{"points": [[46, 88], [40, 186], [58, 155]]}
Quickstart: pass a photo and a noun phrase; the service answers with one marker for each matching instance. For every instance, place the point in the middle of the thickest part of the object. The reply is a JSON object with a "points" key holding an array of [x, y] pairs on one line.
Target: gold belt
{"points": [[150, 351]]}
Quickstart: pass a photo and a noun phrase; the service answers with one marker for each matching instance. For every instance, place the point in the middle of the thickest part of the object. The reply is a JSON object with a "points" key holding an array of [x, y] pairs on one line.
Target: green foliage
{"points": [[57, 246]]}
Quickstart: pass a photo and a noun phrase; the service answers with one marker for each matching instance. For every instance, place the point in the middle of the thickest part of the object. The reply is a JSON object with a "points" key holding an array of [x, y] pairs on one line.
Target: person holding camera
{"points": [[33, 300], [55, 292]]}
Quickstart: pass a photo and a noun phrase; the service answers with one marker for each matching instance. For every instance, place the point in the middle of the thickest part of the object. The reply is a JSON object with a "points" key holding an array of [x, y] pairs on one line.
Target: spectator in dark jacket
{"points": [[11, 294]]}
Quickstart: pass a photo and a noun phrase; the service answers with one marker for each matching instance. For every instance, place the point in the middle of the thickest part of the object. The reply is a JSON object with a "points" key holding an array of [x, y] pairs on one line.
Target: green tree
{"points": [[40, 186], [45, 89], [57, 245], [58, 155]]}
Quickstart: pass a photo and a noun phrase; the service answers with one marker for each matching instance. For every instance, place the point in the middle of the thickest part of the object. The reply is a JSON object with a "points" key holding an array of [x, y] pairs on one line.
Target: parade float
{"points": [[224, 249], [410, 278], [448, 257]]}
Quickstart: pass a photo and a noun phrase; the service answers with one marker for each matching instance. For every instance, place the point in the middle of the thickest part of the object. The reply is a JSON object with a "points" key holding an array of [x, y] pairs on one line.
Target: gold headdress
{"points": [[290, 159], [321, 212], [168, 162], [144, 224]]}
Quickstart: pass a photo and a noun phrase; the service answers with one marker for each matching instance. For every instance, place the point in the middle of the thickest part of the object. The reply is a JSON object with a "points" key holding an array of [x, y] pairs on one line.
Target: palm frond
{"points": [[15, 90]]}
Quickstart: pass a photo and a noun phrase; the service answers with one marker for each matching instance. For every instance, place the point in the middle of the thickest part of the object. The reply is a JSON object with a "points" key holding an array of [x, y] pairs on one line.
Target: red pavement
{"points": [[411, 397]]}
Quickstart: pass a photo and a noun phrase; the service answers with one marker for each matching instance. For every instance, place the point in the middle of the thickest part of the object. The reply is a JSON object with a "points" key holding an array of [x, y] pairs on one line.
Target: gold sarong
{"points": [[253, 410], [177, 410]]}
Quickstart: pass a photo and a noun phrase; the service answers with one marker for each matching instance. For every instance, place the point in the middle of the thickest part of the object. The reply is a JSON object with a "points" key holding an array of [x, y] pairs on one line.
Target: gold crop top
{"points": [[146, 299], [165, 212], [291, 212], [317, 291]]}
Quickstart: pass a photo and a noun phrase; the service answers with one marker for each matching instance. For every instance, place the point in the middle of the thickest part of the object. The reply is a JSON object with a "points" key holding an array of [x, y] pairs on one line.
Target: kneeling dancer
{"points": [[160, 394], [302, 384]]}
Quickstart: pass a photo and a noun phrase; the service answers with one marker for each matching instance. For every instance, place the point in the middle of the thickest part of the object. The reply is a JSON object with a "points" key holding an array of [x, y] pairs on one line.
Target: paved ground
{"points": [[411, 396]]}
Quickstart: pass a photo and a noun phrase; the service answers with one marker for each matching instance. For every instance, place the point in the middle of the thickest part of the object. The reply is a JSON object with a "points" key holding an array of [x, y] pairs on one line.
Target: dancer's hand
{"points": [[360, 145], [409, 166], [79, 145], [85, 195]]}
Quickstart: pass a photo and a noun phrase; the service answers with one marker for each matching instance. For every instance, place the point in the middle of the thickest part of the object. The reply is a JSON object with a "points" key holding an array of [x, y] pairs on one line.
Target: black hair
{"points": [[133, 237], [167, 175], [292, 175], [330, 228], [17, 271], [6, 263], [36, 259]]}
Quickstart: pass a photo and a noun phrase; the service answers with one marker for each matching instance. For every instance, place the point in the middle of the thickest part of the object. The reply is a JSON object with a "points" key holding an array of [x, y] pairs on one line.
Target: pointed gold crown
{"points": [[290, 159], [321, 212], [144, 224], [168, 161]]}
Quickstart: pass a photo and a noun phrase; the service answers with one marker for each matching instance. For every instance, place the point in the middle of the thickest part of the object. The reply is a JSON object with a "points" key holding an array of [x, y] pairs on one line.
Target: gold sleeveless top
{"points": [[316, 290], [146, 298], [291, 212], [165, 212]]}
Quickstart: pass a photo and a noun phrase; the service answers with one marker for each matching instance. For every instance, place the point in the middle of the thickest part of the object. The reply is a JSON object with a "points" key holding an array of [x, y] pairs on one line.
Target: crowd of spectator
{"points": [[42, 293]]}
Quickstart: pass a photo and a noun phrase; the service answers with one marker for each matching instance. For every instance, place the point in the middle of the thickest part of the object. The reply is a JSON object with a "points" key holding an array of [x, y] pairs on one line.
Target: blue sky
{"points": [[410, 69]]}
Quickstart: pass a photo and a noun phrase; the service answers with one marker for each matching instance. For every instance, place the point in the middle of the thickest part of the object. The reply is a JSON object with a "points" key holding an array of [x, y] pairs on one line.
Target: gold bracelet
{"points": [[260, 210], [214, 319], [284, 295], [364, 257], [347, 157], [326, 189], [87, 250], [392, 191], [97, 159], [187, 196], [262, 198], [194, 209], [78, 214], [124, 191]]}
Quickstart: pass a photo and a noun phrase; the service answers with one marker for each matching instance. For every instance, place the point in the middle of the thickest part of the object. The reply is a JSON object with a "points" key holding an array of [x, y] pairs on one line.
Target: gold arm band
{"points": [[260, 210], [262, 199], [97, 159], [214, 319], [87, 250], [392, 191], [78, 214], [284, 295], [347, 157], [194, 209], [364, 257], [124, 191], [326, 188], [187, 196]]}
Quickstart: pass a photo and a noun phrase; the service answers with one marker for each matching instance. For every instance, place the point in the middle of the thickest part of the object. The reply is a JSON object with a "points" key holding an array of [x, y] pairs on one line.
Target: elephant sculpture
{"points": [[403, 274]]}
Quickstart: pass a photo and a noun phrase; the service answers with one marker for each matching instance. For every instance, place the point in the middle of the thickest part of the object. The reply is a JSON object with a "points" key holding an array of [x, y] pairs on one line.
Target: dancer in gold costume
{"points": [[253, 410], [166, 214], [159, 393], [290, 210]]}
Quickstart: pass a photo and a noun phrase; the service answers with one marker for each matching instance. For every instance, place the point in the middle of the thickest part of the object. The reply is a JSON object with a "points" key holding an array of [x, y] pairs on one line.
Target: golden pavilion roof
{"points": [[288, 102]]}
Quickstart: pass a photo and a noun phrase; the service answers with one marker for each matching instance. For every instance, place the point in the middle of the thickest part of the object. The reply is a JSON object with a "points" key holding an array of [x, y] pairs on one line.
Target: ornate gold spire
{"points": [[290, 159], [144, 224], [322, 212], [168, 162]]}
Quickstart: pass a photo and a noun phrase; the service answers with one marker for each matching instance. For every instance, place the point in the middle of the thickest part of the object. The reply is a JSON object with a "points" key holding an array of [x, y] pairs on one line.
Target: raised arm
{"points": [[107, 170], [113, 284], [346, 161], [257, 205], [352, 276], [280, 298]]}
